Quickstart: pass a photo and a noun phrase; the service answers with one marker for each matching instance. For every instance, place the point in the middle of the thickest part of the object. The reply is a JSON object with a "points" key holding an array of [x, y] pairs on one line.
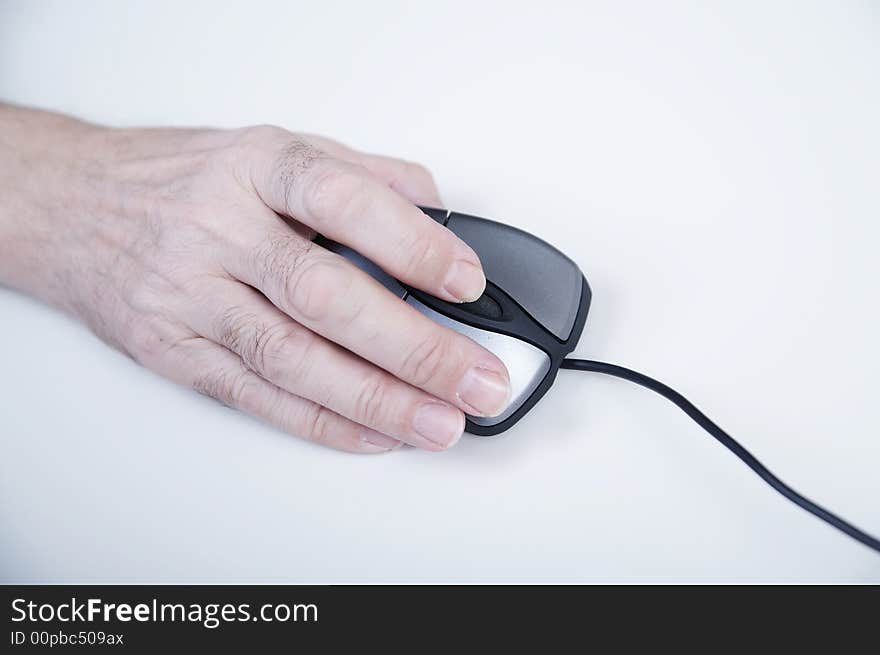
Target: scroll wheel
{"points": [[484, 307]]}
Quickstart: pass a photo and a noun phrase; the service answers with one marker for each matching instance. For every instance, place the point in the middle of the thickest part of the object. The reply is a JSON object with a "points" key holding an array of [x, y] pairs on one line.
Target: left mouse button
{"points": [[543, 281]]}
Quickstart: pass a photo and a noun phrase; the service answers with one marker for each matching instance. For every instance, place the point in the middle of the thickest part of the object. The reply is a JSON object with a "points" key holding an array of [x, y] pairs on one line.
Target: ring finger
{"points": [[305, 364]]}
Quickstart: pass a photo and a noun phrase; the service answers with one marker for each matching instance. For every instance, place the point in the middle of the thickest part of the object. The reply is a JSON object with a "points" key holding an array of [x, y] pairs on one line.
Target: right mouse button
{"points": [[546, 283]]}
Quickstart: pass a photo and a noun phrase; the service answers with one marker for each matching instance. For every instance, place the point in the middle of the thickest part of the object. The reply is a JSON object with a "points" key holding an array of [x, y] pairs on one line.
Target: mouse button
{"points": [[485, 307], [365, 265], [542, 280], [526, 364], [439, 215]]}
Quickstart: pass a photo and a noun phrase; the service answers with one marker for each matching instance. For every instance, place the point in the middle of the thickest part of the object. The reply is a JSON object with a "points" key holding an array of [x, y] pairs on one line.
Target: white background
{"points": [[714, 170]]}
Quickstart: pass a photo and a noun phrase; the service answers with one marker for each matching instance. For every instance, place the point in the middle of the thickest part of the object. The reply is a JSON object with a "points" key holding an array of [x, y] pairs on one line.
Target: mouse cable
{"points": [[726, 440]]}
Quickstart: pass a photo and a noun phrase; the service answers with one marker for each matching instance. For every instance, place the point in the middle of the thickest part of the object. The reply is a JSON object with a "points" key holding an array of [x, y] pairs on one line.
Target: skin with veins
{"points": [[191, 251]]}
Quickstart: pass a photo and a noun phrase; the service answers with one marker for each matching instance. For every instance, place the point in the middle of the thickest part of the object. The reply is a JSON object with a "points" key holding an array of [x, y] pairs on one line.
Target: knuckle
{"points": [[425, 362], [318, 423], [141, 296], [292, 357], [147, 341], [280, 350], [334, 192], [288, 157], [147, 292], [275, 260], [418, 171], [273, 351], [261, 141], [231, 388], [263, 134], [232, 328], [371, 400], [295, 159], [314, 286], [306, 280]]}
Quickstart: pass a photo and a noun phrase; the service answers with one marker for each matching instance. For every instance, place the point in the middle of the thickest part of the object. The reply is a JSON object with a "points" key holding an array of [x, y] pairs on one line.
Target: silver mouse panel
{"points": [[526, 364]]}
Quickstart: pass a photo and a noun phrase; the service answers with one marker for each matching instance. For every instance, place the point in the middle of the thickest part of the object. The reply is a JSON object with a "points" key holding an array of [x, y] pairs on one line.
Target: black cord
{"points": [[732, 445]]}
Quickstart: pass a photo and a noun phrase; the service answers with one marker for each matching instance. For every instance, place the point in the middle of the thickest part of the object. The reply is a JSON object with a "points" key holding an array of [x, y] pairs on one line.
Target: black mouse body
{"points": [[530, 316]]}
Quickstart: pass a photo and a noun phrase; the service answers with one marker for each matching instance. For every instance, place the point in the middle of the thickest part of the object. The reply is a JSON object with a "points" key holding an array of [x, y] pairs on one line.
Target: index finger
{"points": [[347, 203]]}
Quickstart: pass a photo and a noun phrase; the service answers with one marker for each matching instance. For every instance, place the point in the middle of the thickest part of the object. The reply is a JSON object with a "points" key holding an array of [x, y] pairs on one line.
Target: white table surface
{"points": [[713, 170]]}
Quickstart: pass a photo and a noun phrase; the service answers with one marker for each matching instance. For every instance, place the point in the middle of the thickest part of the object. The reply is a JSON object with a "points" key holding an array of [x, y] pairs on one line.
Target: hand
{"points": [[191, 251]]}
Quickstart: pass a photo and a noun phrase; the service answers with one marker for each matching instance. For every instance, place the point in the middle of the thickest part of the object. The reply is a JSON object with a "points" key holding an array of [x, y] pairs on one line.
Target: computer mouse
{"points": [[530, 316]]}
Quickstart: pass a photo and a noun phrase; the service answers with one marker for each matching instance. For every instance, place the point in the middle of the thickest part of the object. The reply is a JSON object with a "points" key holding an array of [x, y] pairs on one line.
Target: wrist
{"points": [[44, 163]]}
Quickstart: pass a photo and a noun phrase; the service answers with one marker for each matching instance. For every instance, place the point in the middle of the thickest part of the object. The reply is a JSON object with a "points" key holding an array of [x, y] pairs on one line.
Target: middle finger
{"points": [[305, 364], [332, 297]]}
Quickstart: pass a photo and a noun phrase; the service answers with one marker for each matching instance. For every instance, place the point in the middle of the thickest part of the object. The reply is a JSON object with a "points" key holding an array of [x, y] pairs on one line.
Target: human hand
{"points": [[190, 250]]}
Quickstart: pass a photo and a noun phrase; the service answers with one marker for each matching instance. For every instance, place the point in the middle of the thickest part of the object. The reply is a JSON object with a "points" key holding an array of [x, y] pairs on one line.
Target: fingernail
{"points": [[439, 423], [465, 281], [485, 392], [381, 441]]}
